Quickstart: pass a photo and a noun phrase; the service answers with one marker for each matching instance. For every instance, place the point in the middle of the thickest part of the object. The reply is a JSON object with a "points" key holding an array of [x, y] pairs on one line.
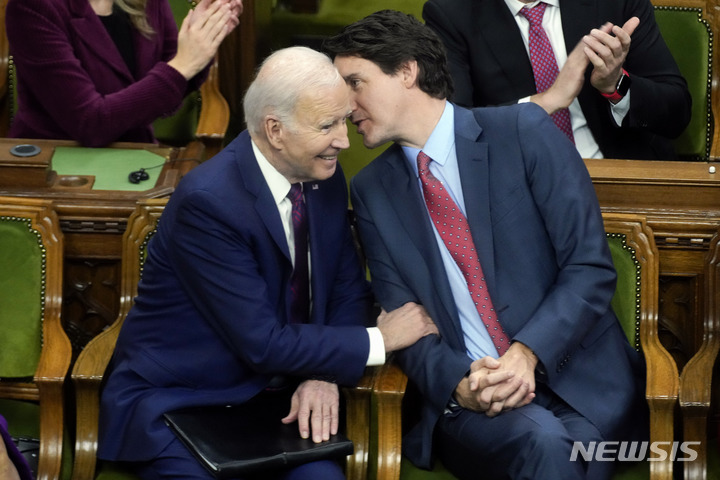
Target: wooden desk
{"points": [[93, 222]]}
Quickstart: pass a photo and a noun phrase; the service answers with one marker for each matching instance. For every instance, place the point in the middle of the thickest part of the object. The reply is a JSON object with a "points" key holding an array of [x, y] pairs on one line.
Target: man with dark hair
{"points": [[488, 218], [621, 91]]}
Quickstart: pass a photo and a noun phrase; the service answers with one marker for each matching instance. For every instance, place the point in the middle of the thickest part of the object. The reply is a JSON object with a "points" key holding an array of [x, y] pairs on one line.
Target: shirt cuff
{"points": [[376, 356], [620, 109]]}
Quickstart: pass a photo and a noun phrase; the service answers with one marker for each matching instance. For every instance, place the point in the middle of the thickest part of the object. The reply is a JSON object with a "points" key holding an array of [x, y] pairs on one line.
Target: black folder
{"points": [[231, 441]]}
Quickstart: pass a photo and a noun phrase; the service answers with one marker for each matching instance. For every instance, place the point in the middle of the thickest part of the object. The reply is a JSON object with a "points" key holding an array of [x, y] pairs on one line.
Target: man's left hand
{"points": [[316, 407], [607, 48]]}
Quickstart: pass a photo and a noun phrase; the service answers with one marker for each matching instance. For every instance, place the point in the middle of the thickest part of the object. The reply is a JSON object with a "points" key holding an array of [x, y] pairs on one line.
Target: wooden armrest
{"points": [[50, 380], [661, 394], [214, 113], [696, 377], [388, 392], [87, 376], [662, 379]]}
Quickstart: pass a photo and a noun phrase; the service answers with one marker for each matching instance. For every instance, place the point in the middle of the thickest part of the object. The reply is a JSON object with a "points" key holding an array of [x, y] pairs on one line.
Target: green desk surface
{"points": [[109, 166]]}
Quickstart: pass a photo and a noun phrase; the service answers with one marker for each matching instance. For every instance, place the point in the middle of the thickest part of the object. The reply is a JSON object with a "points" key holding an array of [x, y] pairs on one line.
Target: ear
{"points": [[274, 130], [409, 73]]}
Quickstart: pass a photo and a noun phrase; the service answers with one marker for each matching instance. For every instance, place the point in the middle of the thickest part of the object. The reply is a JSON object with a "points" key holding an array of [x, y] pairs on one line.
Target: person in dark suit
{"points": [[626, 96], [505, 400], [101, 71], [215, 321]]}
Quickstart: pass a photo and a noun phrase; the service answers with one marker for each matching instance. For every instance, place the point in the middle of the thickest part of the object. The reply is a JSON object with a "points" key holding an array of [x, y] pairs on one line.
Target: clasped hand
{"points": [[606, 48], [497, 385], [201, 33]]}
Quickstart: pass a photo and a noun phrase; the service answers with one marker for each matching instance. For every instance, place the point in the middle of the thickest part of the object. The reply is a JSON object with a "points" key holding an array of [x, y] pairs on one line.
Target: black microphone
{"points": [[138, 176]]}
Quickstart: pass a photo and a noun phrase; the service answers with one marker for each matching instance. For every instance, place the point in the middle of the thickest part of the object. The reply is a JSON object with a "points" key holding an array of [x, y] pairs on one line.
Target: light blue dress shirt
{"points": [[441, 148]]}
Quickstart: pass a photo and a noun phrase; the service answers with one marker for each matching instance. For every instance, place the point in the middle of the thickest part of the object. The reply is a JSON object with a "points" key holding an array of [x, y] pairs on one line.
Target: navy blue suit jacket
{"points": [[490, 66], [540, 238], [209, 325]]}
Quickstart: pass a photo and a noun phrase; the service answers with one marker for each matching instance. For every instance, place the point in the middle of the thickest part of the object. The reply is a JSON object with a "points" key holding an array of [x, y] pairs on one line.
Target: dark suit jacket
{"points": [[490, 66], [74, 84], [537, 227], [209, 325]]}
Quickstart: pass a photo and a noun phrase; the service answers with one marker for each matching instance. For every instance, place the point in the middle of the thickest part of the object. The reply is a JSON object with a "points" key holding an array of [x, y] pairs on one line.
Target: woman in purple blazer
{"points": [[100, 71]]}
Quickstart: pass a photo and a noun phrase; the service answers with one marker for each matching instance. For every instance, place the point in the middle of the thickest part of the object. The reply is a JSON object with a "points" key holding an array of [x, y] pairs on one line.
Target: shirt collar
{"points": [[441, 141], [279, 185], [516, 5]]}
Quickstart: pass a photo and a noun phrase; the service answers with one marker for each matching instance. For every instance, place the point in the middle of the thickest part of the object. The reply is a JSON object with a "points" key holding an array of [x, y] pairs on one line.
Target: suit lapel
{"points": [[256, 185], [321, 244], [578, 18], [409, 206], [406, 199], [494, 21], [473, 165], [89, 29]]}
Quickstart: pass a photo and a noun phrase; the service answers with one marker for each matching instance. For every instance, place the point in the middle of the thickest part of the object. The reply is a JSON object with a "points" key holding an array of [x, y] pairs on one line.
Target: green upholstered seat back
{"points": [[22, 294], [626, 301], [690, 40], [179, 129]]}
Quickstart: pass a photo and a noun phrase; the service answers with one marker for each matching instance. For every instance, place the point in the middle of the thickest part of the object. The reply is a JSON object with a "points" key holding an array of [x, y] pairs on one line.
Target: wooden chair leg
{"points": [[388, 392], [357, 411]]}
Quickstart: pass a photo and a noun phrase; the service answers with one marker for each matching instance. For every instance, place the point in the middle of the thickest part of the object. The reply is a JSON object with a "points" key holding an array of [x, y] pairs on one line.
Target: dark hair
{"points": [[389, 38]]}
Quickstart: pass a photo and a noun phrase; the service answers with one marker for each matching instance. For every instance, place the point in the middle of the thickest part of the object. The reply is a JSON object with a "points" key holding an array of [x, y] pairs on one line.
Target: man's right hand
{"points": [[404, 326]]}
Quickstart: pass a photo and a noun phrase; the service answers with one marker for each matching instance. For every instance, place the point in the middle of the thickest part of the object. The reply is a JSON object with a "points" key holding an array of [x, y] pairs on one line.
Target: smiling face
{"points": [[376, 99], [309, 144]]}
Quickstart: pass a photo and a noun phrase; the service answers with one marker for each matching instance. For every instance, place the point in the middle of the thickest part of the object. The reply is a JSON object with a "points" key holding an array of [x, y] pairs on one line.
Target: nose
{"points": [[353, 103], [341, 140]]}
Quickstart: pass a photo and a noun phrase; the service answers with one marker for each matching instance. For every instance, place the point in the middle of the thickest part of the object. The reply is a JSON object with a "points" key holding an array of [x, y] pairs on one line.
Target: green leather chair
{"points": [[688, 32], [90, 366], [35, 352], [635, 302]]}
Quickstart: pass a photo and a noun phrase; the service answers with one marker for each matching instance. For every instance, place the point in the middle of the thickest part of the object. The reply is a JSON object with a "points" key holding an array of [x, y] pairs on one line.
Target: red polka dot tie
{"points": [[455, 233], [543, 62]]}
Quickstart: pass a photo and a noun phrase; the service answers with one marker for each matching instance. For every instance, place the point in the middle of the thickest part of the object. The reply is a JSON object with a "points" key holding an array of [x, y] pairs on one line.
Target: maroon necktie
{"points": [[455, 233], [300, 279], [543, 62]]}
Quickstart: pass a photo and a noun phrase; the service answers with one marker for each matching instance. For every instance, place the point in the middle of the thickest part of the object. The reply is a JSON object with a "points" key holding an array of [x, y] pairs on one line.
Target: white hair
{"points": [[281, 81]]}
